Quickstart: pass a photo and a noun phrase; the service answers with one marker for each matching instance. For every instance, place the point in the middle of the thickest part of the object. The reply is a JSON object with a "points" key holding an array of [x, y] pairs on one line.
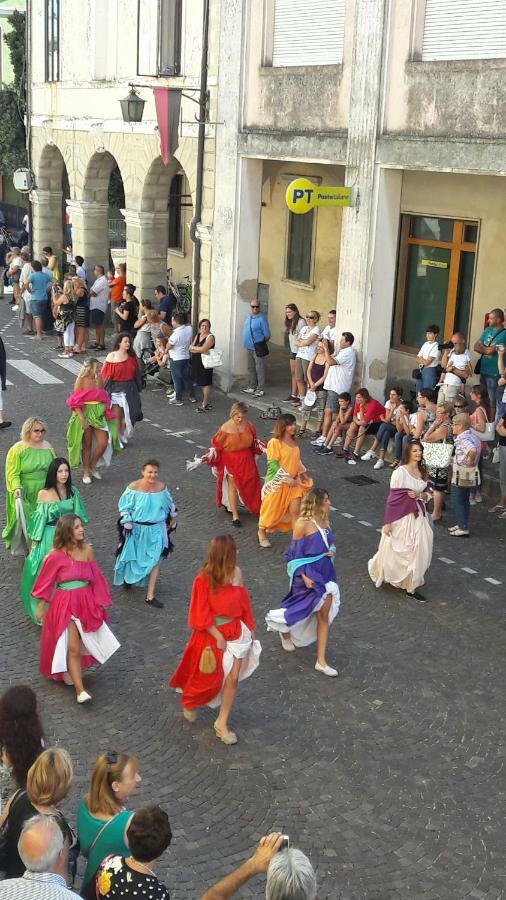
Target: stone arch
{"points": [[51, 191], [51, 169], [97, 176]]}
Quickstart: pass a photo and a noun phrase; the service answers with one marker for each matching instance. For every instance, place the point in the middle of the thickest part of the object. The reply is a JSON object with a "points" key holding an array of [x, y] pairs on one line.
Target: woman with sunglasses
{"points": [[405, 549], [102, 819], [307, 345], [73, 596], [25, 474]]}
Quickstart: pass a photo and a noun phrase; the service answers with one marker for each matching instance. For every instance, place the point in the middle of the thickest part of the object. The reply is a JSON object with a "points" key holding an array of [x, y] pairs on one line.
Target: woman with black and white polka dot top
{"points": [[148, 836]]}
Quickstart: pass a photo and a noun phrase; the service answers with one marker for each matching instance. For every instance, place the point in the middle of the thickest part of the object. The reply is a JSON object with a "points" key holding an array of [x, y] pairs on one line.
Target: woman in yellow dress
{"points": [[285, 482]]}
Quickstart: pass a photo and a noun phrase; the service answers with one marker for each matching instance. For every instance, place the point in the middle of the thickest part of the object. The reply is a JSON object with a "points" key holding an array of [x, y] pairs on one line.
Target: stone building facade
{"points": [[83, 58], [404, 101]]}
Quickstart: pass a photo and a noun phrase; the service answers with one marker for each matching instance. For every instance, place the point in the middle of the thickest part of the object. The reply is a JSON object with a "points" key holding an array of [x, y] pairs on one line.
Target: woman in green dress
{"points": [[92, 432], [25, 472], [57, 498]]}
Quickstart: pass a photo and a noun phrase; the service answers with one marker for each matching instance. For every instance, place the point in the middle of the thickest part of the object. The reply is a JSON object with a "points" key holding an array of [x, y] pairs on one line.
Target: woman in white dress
{"points": [[405, 549]]}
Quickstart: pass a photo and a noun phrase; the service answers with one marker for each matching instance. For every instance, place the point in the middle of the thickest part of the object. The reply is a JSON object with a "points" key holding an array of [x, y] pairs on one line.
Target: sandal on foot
{"points": [[228, 737], [190, 715], [157, 604], [265, 544]]}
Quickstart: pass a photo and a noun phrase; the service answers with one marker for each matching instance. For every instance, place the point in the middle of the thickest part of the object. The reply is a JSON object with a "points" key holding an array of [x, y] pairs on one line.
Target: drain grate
{"points": [[361, 480]]}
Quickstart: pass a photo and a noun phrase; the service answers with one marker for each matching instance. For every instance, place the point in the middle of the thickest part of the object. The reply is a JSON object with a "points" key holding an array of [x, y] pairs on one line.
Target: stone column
{"points": [[47, 208], [354, 294], [89, 233], [146, 249]]}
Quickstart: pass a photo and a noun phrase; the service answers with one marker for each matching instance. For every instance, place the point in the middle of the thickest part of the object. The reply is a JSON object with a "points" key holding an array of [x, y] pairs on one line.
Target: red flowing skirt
{"points": [[79, 603], [197, 688], [241, 465]]}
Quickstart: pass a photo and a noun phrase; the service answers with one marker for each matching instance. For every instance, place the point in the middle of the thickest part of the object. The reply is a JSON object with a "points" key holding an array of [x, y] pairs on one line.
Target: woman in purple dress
{"points": [[312, 602]]}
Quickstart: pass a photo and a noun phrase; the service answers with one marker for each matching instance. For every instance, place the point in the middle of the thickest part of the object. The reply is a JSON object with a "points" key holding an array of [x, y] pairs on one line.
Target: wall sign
{"points": [[302, 195]]}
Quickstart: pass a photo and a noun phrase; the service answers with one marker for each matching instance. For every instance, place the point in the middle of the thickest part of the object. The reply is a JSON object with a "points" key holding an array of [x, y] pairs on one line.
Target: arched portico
{"points": [[48, 199]]}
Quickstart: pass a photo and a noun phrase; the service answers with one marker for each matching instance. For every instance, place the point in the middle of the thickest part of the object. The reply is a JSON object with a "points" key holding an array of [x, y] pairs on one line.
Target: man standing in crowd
{"points": [[290, 875], [44, 852], [467, 453], [38, 283], [99, 298], [117, 286], [26, 297], [457, 363], [329, 332], [256, 331], [80, 270], [338, 381], [167, 304], [493, 335], [179, 355]]}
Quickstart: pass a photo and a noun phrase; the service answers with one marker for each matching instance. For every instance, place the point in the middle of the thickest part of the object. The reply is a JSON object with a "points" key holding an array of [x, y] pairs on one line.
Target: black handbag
{"points": [[260, 347]]}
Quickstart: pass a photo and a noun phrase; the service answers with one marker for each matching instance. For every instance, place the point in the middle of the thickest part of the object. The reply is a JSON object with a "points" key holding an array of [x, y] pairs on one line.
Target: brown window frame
{"points": [[456, 246]]}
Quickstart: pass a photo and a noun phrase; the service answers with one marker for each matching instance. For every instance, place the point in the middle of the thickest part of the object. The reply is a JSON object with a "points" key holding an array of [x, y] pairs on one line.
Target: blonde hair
{"points": [[152, 315], [238, 407], [50, 777], [315, 313], [68, 289], [88, 366], [101, 798], [28, 426], [446, 406], [312, 505], [52, 263]]}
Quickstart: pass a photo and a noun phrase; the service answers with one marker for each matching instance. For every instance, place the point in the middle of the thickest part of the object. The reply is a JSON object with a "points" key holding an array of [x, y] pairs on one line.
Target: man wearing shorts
{"points": [[99, 298], [339, 379], [38, 282]]}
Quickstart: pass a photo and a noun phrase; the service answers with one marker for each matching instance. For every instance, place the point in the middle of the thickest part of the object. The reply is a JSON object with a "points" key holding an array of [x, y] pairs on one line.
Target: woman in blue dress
{"points": [[57, 498], [146, 517], [313, 599]]}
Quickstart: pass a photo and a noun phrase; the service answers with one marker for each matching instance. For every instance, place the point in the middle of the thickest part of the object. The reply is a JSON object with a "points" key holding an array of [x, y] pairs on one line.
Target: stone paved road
{"points": [[391, 778]]}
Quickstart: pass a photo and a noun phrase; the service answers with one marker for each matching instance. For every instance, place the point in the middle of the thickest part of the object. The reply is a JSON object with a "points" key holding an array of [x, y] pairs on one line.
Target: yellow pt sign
{"points": [[302, 195]]}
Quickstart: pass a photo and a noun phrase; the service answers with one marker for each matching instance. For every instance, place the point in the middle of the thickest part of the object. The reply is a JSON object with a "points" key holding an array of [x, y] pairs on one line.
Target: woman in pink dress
{"points": [[72, 595]]}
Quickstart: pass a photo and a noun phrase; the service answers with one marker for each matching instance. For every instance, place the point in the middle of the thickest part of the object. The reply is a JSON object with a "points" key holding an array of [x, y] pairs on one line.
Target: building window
{"points": [[52, 28], [176, 213], [302, 38], [435, 278], [464, 29], [299, 251], [169, 32]]}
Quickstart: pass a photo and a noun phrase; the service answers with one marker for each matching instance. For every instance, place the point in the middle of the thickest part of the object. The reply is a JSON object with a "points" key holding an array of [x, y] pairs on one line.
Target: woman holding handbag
{"points": [[202, 375], [480, 418], [222, 649], [465, 474], [437, 455]]}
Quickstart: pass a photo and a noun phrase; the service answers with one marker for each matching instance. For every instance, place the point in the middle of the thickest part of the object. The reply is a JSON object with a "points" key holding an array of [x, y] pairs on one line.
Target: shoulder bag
{"points": [[260, 347], [488, 434], [437, 456], [4, 841], [212, 359], [466, 476]]}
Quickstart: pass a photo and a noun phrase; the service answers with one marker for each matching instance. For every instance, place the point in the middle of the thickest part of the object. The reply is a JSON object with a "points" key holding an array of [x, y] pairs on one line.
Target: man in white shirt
{"points": [[428, 360], [99, 298], [44, 851], [80, 270], [179, 355], [329, 332], [458, 365], [339, 379]]}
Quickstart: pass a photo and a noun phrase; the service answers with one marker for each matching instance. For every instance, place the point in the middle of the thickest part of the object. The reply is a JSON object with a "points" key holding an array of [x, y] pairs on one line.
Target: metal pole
{"points": [[28, 130], [199, 187]]}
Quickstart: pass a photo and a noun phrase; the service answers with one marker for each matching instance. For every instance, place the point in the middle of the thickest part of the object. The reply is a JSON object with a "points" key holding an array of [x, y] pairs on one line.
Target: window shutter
{"points": [[464, 29], [148, 23], [306, 34]]}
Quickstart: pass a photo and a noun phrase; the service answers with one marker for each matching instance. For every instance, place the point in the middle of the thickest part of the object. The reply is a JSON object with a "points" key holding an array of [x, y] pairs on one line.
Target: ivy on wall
{"points": [[13, 100]]}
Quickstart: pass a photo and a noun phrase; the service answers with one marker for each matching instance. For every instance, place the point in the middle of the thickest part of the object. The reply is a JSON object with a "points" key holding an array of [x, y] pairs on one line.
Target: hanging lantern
{"points": [[132, 107]]}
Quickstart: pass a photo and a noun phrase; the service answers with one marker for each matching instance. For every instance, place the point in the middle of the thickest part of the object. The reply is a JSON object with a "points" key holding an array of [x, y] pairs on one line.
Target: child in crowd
{"points": [[315, 376], [404, 423], [160, 358], [340, 425]]}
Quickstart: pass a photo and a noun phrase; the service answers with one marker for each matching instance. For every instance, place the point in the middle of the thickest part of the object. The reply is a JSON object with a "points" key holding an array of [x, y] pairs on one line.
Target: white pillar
{"points": [[354, 285], [47, 208], [89, 233]]}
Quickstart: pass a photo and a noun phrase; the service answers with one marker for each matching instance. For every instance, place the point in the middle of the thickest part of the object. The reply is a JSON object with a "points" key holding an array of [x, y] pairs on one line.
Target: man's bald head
{"points": [[40, 845]]}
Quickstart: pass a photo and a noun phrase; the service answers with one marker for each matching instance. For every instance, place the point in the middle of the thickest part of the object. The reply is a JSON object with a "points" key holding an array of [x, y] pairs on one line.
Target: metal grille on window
{"points": [[464, 29], [308, 36]]}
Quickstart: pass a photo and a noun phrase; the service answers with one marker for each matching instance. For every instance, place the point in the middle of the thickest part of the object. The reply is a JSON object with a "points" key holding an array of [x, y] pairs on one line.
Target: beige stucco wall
{"points": [[482, 198], [274, 221]]}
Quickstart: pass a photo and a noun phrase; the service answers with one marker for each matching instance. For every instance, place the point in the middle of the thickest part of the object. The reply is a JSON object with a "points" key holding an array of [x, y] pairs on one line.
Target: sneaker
{"points": [[472, 501], [83, 697], [324, 451], [176, 402], [478, 498], [173, 398], [326, 670], [193, 399], [319, 441], [379, 464], [249, 390], [259, 393], [369, 455], [353, 459], [287, 643], [459, 532]]}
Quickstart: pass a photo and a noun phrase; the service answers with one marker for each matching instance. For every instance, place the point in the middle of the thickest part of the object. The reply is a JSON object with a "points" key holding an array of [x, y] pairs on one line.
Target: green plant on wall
{"points": [[13, 100]]}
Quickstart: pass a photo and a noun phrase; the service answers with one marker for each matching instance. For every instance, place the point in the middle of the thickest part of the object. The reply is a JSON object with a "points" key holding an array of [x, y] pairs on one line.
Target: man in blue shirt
{"points": [[39, 282], [167, 304], [489, 340], [256, 331]]}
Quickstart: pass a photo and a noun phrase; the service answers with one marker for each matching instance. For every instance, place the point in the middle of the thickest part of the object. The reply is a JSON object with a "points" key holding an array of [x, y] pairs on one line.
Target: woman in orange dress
{"points": [[285, 482], [222, 649], [232, 458]]}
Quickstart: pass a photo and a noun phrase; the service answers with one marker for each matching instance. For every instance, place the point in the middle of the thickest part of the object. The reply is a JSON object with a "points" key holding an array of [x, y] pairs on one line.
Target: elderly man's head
{"points": [[42, 846], [290, 876]]}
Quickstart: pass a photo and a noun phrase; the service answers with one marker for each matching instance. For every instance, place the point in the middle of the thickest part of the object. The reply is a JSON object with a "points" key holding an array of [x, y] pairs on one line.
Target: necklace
{"points": [[142, 866]]}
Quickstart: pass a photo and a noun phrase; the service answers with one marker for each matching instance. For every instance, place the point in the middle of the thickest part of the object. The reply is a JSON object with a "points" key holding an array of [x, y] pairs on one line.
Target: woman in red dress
{"points": [[72, 595], [222, 642], [232, 457], [123, 382]]}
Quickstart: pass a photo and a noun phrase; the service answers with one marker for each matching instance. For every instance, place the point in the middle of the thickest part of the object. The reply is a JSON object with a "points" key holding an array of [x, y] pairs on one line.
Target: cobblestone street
{"points": [[391, 777]]}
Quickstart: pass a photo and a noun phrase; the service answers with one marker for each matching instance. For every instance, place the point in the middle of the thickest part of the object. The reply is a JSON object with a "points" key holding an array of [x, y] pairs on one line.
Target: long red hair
{"points": [[221, 561]]}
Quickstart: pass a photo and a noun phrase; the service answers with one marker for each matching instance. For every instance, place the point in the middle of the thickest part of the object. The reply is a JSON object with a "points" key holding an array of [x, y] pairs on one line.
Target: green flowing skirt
{"points": [[30, 487], [94, 413]]}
